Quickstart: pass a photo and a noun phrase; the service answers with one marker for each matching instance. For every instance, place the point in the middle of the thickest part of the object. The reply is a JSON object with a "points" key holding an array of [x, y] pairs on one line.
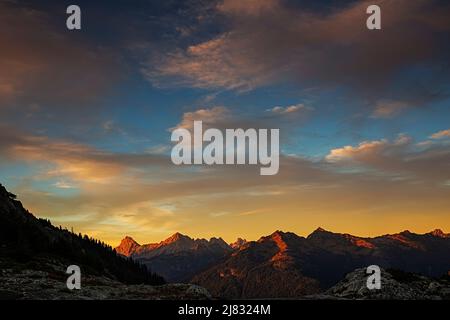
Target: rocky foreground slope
{"points": [[45, 279], [395, 285]]}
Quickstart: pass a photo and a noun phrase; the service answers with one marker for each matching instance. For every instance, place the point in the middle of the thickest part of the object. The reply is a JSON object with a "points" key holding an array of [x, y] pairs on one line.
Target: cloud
{"points": [[158, 149], [45, 66], [147, 197], [289, 109], [367, 150], [209, 117], [221, 117], [400, 158], [272, 42], [53, 74], [64, 185], [199, 67], [388, 109], [249, 7], [441, 134], [349, 152], [288, 119], [73, 160]]}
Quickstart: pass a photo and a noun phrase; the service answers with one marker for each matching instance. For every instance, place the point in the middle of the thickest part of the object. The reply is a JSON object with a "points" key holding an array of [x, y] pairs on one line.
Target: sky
{"points": [[364, 115]]}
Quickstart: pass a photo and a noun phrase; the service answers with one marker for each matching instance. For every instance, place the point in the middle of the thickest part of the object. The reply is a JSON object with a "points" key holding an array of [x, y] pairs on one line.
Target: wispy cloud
{"points": [[389, 109], [289, 109], [269, 42], [400, 157], [441, 134]]}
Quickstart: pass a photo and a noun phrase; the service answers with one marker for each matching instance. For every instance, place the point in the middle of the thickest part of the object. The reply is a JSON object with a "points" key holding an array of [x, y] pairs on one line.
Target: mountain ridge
{"points": [[278, 234], [319, 261], [178, 257], [25, 238], [129, 247], [288, 265]]}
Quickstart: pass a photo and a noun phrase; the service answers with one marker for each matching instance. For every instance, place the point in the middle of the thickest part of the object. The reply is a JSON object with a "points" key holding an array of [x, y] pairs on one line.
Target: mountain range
{"points": [[34, 256], [284, 264], [178, 258]]}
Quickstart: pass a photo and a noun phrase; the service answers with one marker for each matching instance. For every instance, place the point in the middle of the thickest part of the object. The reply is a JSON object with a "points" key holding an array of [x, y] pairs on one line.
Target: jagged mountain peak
{"points": [[180, 257], [439, 233], [128, 239], [220, 242], [278, 233], [282, 235], [177, 242], [216, 239], [127, 246], [339, 240], [279, 237], [320, 232], [238, 243], [177, 236]]}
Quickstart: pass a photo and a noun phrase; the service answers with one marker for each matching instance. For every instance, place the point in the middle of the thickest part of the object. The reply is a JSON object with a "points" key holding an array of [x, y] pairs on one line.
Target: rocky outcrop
{"points": [[395, 285]]}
